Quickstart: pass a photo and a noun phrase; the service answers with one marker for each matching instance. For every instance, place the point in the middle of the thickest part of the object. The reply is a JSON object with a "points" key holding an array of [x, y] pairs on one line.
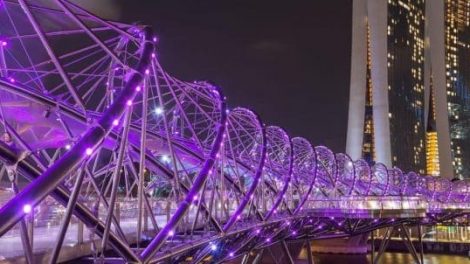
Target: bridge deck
{"points": [[78, 240]]}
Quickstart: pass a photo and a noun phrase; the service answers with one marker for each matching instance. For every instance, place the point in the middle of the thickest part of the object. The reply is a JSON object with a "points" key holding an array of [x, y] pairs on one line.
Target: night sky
{"points": [[290, 63]]}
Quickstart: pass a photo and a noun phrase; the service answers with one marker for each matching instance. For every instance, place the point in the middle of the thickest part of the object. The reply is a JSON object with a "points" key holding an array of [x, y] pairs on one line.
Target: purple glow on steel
{"points": [[231, 254], [378, 182], [196, 186], [4, 43]]}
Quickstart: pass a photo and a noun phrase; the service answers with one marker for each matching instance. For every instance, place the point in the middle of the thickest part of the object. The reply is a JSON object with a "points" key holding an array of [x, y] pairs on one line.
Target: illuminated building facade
{"points": [[410, 85], [432, 147], [448, 67], [387, 93], [457, 61]]}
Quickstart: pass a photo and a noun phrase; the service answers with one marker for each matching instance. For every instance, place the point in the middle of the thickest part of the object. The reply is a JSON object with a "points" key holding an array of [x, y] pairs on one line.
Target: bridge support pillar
{"points": [[282, 252], [309, 251], [404, 234], [351, 245], [420, 240], [372, 247], [259, 256], [287, 252]]}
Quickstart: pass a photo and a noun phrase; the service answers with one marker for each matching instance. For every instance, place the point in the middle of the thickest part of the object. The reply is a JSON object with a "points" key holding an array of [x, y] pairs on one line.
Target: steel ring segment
{"points": [[62, 195], [278, 169], [326, 174], [51, 178], [245, 143], [363, 177], [346, 173], [304, 171], [196, 187], [380, 180]]}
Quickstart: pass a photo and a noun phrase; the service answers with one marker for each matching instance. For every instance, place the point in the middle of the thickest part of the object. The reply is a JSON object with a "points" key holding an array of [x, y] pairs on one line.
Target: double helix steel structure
{"points": [[102, 147]]}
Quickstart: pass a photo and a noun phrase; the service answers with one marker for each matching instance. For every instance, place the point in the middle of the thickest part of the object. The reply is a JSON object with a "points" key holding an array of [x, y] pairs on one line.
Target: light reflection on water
{"points": [[387, 258]]}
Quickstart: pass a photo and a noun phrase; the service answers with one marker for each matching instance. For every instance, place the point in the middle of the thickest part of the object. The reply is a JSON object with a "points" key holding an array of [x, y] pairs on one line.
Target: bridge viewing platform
{"points": [[106, 156]]}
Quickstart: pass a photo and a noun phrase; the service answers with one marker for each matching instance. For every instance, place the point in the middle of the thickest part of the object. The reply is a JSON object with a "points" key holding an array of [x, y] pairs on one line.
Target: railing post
{"points": [[117, 212], [146, 222], [372, 247], [421, 250], [31, 228], [79, 232]]}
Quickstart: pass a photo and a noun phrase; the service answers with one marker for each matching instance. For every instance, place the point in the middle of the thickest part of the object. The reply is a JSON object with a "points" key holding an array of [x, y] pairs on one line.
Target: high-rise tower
{"points": [[387, 106], [410, 85], [448, 57]]}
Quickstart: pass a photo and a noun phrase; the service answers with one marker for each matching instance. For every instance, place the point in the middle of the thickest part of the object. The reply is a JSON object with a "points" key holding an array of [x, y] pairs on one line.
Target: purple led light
{"points": [[138, 88], [231, 254], [115, 122], [27, 208], [158, 110], [89, 151], [129, 102]]}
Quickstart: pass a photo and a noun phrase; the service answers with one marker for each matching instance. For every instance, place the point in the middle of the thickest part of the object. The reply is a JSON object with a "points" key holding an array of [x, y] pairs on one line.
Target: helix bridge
{"points": [[105, 154]]}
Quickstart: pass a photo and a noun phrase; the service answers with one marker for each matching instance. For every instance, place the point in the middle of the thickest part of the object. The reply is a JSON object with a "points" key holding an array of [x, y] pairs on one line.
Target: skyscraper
{"points": [[410, 85], [387, 106], [449, 67]]}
